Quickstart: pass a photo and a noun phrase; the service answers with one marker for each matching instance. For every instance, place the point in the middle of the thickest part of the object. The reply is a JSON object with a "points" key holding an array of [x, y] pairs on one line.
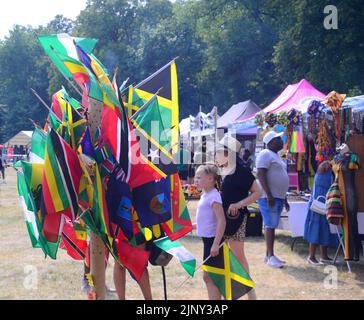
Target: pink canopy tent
{"points": [[297, 95]]}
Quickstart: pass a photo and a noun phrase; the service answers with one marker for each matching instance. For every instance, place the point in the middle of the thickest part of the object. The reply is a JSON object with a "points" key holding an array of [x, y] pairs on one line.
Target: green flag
{"points": [[228, 274], [37, 146], [63, 44], [174, 248], [33, 224], [29, 210]]}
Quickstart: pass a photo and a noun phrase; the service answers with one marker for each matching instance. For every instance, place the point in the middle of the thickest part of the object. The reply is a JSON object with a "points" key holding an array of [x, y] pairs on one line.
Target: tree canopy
{"points": [[228, 51]]}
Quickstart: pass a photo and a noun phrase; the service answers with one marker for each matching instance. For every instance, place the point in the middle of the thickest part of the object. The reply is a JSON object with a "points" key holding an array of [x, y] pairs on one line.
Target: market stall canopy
{"points": [[185, 125], [22, 138], [355, 103], [240, 110], [297, 96]]}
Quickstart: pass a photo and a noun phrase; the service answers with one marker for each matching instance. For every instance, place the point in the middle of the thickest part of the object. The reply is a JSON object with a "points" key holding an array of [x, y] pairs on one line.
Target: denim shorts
{"points": [[271, 215]]}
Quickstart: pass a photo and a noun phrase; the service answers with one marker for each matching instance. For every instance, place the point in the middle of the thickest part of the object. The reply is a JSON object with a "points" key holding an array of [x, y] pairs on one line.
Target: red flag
{"points": [[133, 258], [75, 242]]}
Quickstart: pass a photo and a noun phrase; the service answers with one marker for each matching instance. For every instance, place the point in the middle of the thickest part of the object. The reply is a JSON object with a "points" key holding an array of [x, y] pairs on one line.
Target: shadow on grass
{"points": [[311, 273]]}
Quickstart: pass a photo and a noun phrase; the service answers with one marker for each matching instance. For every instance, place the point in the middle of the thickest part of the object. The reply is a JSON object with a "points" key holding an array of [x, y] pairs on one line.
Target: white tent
{"points": [[22, 138]]}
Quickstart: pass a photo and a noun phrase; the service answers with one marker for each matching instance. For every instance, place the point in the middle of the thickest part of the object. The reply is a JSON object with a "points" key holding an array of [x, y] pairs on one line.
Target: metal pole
{"points": [[164, 283], [42, 101]]}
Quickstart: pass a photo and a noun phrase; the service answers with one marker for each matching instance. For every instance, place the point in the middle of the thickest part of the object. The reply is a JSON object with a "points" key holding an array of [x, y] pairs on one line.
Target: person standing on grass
{"points": [[317, 229], [2, 169], [239, 189], [273, 177], [210, 220]]}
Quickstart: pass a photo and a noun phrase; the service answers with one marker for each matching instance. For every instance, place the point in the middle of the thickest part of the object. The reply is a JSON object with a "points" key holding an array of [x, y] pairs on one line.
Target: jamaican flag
{"points": [[153, 140], [228, 274], [164, 81]]}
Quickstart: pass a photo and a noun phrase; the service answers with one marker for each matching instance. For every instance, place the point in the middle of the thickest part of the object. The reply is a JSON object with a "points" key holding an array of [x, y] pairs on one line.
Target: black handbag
{"points": [[233, 223]]}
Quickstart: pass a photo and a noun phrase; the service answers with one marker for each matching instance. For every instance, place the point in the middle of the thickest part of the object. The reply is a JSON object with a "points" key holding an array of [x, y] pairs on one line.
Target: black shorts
{"points": [[207, 244]]}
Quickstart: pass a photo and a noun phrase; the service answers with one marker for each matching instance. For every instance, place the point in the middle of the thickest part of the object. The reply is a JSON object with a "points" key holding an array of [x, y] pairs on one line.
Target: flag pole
{"points": [[69, 81], [43, 102], [35, 124], [164, 283], [97, 247], [201, 264]]}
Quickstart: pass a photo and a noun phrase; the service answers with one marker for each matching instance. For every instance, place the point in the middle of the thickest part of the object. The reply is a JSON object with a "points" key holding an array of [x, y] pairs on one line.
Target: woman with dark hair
{"points": [[238, 190], [317, 229]]}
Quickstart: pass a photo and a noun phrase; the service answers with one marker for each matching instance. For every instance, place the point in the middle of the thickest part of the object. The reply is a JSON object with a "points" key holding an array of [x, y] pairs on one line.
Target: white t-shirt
{"points": [[277, 175], [205, 217]]}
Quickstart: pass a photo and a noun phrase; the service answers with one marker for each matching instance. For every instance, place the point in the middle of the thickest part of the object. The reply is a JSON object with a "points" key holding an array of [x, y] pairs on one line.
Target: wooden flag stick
{"points": [[97, 247], [42, 101], [35, 124], [201, 264]]}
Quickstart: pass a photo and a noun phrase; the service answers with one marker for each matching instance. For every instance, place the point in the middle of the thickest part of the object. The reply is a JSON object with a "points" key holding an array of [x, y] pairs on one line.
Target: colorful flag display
{"points": [[121, 184], [165, 82]]}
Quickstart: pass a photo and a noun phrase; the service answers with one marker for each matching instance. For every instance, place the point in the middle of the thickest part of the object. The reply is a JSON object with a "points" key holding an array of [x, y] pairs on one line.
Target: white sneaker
{"points": [[274, 262], [281, 261]]}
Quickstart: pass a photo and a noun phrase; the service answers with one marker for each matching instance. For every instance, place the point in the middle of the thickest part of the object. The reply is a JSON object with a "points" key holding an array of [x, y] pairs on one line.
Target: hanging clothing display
{"points": [[345, 168]]}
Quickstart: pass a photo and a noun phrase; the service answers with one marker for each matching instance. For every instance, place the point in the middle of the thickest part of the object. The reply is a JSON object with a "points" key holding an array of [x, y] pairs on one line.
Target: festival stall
{"points": [[325, 128], [17, 146], [238, 111]]}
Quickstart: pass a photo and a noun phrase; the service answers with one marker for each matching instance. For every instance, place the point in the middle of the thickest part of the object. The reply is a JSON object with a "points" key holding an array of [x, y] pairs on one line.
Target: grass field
{"points": [[61, 279]]}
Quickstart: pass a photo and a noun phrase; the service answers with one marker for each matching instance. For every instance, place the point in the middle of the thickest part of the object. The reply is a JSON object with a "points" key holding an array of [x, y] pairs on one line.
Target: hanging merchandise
{"points": [[259, 119], [323, 142], [294, 117], [271, 119], [282, 118], [335, 100], [289, 133], [297, 145], [315, 108]]}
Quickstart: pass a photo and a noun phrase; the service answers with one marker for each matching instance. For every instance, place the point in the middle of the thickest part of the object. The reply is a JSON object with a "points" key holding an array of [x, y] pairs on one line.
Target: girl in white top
{"points": [[210, 219]]}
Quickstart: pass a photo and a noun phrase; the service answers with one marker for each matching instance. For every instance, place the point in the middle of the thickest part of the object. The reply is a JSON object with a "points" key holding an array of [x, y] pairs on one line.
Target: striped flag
{"points": [[61, 177], [174, 248], [62, 50], [74, 239]]}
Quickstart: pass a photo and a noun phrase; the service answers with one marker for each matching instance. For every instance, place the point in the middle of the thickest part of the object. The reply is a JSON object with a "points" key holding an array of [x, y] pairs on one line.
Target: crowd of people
{"points": [[229, 187]]}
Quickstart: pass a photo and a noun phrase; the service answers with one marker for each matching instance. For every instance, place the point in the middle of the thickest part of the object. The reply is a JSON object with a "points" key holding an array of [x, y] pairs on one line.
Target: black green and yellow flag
{"points": [[164, 80], [228, 274], [154, 141]]}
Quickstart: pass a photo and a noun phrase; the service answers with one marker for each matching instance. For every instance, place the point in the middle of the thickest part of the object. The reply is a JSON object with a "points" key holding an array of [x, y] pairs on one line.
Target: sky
{"points": [[35, 12]]}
